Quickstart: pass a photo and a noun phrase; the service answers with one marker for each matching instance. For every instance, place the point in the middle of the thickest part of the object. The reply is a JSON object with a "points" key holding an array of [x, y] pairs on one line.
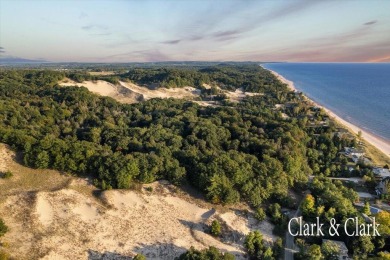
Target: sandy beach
{"points": [[370, 138]]}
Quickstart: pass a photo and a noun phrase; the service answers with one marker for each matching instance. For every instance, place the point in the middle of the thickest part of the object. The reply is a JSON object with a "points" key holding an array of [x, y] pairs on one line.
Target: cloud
{"points": [[385, 58], [370, 22], [97, 30], [210, 27], [101, 34], [2, 50], [150, 55], [196, 38], [171, 42], [352, 36], [225, 33], [278, 13], [94, 27]]}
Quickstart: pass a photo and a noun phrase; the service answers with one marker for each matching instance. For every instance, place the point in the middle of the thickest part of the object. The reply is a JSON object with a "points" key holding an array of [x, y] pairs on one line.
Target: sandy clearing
{"points": [[100, 87], [44, 210], [239, 94], [148, 93], [246, 224]]}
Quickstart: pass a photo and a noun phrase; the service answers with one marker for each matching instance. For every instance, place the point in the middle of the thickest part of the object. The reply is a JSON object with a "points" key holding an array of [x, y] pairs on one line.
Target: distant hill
{"points": [[13, 60]]}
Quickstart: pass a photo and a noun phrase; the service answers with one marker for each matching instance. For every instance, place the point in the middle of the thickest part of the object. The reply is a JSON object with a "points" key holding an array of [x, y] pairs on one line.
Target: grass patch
{"points": [[377, 157]]}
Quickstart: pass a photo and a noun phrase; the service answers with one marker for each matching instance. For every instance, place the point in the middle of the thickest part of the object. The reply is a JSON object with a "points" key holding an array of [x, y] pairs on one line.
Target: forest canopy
{"points": [[245, 151]]}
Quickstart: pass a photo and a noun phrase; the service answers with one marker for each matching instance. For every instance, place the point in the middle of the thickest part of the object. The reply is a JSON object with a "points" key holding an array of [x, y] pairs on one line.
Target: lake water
{"points": [[357, 92]]}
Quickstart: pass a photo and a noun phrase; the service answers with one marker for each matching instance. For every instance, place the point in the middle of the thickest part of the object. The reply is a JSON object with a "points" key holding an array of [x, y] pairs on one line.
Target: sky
{"points": [[180, 30]]}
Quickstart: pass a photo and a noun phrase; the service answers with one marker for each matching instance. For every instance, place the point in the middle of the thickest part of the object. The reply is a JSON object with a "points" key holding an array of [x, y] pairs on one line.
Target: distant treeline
{"points": [[251, 78]]}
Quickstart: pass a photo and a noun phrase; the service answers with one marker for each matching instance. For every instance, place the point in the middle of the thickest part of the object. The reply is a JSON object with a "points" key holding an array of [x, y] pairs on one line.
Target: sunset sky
{"points": [[127, 31]]}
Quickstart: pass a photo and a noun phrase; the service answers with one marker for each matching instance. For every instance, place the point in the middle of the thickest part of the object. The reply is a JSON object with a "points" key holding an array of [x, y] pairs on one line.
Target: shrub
{"points": [[150, 189], [139, 257], [260, 214], [215, 228], [4, 255], [3, 228], [6, 175]]}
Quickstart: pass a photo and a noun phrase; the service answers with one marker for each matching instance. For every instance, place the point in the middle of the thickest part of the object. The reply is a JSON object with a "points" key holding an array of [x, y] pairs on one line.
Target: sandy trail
{"points": [[378, 142]]}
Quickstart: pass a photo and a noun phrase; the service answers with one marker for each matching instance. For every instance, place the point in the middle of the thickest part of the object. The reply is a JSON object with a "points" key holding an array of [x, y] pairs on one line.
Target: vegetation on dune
{"points": [[3, 228], [215, 228], [210, 253]]}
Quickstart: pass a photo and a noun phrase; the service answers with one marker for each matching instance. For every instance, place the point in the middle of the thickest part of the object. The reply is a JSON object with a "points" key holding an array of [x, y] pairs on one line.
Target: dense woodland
{"points": [[230, 152], [234, 152]]}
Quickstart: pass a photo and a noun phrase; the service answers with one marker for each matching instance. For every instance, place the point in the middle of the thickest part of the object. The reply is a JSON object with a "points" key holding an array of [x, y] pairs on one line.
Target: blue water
{"points": [[357, 92]]}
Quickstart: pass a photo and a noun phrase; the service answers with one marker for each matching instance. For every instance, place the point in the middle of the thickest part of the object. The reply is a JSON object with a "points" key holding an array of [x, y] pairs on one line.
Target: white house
{"points": [[351, 151], [381, 188], [381, 172]]}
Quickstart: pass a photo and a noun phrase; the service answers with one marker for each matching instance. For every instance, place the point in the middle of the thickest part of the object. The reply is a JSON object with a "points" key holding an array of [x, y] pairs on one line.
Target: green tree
{"points": [[314, 252], [362, 247], [260, 214], [308, 205], [278, 248], [210, 253], [330, 250], [139, 257], [254, 244], [383, 218], [42, 160], [366, 209], [215, 228]]}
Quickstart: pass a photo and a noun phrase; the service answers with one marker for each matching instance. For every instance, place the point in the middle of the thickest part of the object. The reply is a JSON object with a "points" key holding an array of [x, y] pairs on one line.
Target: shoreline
{"points": [[370, 138]]}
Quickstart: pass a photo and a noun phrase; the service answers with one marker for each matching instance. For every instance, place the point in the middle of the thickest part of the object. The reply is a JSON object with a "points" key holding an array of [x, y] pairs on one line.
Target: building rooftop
{"points": [[382, 172]]}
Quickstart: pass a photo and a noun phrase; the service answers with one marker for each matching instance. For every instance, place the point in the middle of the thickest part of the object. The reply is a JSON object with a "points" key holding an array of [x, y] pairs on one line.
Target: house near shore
{"points": [[381, 173], [352, 151], [343, 250], [361, 160], [382, 187]]}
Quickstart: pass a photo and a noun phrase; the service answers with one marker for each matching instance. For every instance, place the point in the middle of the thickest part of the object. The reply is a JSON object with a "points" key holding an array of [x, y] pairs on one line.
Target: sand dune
{"points": [[72, 223], [127, 92], [105, 88], [147, 93]]}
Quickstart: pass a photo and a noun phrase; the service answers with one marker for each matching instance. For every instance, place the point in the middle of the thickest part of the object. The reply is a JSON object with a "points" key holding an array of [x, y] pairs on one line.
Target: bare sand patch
{"points": [[105, 88], [100, 87], [44, 210], [239, 94], [149, 93]]}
